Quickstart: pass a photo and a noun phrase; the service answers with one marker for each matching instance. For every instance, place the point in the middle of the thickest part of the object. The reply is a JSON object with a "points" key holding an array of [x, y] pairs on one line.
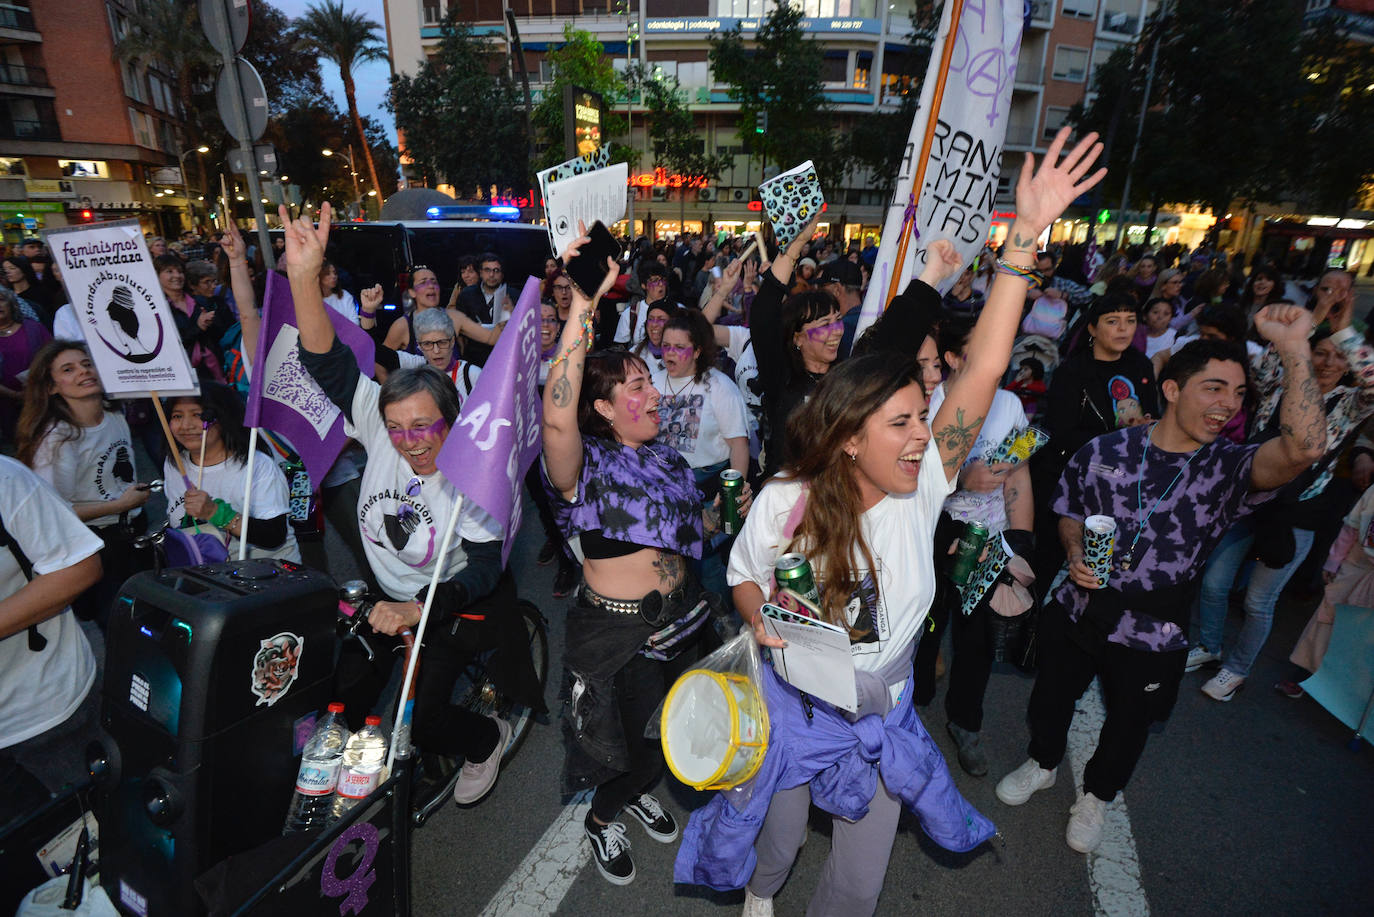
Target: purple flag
{"points": [[497, 436], [282, 397]]}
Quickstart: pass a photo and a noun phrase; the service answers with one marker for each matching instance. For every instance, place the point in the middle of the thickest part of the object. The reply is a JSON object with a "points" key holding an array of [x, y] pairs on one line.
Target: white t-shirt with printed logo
{"points": [[900, 531], [696, 418], [402, 514], [1005, 414], [38, 690], [96, 466], [271, 497]]}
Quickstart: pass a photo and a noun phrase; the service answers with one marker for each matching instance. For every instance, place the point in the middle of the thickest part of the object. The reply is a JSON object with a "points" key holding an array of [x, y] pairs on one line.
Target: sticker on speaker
{"points": [[275, 667]]}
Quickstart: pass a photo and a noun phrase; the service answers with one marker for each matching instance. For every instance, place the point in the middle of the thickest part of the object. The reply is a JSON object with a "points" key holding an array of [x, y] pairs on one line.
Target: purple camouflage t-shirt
{"points": [[1214, 492], [645, 496]]}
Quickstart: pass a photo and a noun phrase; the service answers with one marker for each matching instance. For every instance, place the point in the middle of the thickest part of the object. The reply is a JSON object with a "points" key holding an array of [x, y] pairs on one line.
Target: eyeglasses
{"points": [[680, 351], [563, 287], [435, 346], [492, 270], [824, 331], [549, 322]]}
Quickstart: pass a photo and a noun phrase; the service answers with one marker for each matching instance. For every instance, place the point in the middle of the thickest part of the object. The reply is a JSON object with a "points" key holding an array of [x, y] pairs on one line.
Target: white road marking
{"points": [[538, 884], [1114, 867]]}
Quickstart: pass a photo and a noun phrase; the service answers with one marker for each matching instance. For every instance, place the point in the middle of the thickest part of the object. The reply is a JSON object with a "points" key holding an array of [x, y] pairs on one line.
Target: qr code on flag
{"points": [[289, 384]]}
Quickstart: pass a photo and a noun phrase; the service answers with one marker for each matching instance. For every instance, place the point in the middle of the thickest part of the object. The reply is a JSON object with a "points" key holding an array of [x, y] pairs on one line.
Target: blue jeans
{"points": [[1261, 595]]}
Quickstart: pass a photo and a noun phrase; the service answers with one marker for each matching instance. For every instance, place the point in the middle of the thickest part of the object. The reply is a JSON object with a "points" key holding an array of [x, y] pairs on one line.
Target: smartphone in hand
{"points": [[588, 269]]}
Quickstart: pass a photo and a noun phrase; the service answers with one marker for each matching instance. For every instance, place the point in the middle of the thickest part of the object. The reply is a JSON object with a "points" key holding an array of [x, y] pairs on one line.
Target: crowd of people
{"points": [[1193, 404]]}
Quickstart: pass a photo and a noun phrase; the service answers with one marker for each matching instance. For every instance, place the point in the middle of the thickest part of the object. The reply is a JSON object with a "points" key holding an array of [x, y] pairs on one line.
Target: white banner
{"points": [[124, 315], [955, 201]]}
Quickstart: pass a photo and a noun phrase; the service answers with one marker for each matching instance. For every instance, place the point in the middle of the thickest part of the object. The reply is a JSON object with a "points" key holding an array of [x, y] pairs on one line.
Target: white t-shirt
{"points": [[631, 333], [271, 496], [96, 466], [402, 514], [900, 531], [342, 302], [38, 690], [1165, 341], [65, 326], [696, 418], [1005, 414], [463, 373]]}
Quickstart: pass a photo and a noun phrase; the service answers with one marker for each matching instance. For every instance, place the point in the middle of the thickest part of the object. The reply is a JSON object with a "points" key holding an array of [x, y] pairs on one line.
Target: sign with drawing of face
{"points": [[121, 307]]}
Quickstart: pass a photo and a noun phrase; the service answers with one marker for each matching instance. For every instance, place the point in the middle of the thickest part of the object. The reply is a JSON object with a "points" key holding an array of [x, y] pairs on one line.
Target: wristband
{"points": [[223, 515]]}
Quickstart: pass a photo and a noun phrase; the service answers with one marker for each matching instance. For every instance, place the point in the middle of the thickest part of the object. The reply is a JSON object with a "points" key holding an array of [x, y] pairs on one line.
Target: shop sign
{"points": [[660, 178], [48, 188], [695, 24]]}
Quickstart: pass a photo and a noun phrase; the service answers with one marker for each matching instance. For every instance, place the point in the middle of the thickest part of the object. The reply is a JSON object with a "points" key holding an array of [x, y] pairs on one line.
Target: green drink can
{"points": [[793, 571], [967, 553], [731, 486]]}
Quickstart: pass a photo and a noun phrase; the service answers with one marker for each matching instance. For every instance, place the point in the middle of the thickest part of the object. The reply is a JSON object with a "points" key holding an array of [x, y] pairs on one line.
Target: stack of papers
{"points": [[817, 658]]}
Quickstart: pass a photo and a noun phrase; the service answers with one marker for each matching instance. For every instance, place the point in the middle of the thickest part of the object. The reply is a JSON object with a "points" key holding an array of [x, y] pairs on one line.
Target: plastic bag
{"points": [[713, 722]]}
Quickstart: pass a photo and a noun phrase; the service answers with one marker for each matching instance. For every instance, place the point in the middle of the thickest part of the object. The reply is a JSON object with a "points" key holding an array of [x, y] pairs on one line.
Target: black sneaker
{"points": [[656, 821], [565, 581], [611, 850], [547, 553]]}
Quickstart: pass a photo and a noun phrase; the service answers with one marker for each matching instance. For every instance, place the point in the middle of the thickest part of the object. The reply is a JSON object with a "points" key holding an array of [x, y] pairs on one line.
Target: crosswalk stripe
{"points": [[1114, 867], [538, 884]]}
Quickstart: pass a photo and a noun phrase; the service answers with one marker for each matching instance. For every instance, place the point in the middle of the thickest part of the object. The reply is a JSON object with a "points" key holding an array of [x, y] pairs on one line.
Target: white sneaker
{"points": [[1022, 783], [1199, 656], [755, 906], [1223, 685], [1086, 819]]}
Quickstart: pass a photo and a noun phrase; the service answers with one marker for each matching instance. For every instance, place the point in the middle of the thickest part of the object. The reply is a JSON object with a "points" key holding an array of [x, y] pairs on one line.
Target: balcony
{"points": [[1041, 14], [23, 75], [1020, 137], [17, 19], [1030, 75], [24, 129]]}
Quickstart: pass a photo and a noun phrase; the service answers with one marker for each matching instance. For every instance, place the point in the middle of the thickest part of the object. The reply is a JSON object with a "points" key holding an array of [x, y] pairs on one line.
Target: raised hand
{"points": [[942, 261], [233, 246], [1043, 193], [1284, 325], [371, 298], [305, 243]]}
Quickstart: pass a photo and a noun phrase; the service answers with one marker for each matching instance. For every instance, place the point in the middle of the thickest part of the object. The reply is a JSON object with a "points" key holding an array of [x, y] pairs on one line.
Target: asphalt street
{"points": [[1251, 807]]}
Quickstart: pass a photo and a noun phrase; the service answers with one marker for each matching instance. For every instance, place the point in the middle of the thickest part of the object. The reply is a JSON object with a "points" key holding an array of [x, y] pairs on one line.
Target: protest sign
{"points": [[589, 197], [578, 165], [791, 200], [947, 192], [283, 397], [124, 315], [497, 435]]}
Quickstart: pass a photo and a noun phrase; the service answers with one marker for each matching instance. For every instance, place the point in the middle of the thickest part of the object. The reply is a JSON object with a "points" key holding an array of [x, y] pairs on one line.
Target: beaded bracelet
{"points": [[1015, 270], [583, 338]]}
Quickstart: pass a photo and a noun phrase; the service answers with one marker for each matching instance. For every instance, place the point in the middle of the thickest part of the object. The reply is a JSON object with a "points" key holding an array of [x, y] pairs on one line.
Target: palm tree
{"points": [[347, 39], [167, 33]]}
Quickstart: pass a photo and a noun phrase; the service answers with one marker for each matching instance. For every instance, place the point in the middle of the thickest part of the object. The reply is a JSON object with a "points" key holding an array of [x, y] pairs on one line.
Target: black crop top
{"points": [[596, 546]]}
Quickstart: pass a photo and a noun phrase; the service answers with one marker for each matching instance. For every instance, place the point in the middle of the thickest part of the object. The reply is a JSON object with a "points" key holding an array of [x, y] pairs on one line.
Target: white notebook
{"points": [[817, 658]]}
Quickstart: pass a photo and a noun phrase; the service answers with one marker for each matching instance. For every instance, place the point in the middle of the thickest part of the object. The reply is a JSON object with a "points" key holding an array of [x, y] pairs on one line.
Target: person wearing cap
{"points": [[806, 272], [844, 280]]}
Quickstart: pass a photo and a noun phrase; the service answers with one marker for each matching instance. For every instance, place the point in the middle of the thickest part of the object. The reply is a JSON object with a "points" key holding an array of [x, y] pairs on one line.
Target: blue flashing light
{"points": [[434, 213], [501, 210]]}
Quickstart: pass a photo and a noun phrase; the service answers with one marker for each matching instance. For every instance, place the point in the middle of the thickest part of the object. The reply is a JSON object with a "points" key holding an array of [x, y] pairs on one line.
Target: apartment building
{"points": [[82, 136], [865, 44]]}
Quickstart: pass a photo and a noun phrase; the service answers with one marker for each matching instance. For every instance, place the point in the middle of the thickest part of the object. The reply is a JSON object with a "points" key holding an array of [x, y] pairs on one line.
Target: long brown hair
{"points": [[43, 408], [831, 532]]}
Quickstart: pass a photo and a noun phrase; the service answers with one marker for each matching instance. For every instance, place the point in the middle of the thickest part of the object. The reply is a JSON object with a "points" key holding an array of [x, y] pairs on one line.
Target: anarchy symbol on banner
{"points": [[987, 73], [362, 877]]}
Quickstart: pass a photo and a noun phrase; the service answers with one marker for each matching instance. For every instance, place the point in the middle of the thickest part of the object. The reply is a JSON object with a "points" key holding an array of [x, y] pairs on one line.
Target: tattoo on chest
{"points": [[670, 568]]}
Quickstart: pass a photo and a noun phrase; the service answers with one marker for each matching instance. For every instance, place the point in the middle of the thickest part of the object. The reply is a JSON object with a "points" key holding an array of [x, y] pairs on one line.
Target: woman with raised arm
{"points": [[405, 504], [631, 507], [860, 499]]}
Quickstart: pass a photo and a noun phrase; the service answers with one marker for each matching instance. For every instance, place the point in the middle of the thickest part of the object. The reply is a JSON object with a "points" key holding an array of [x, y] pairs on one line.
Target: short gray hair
{"points": [[431, 320], [11, 299], [403, 383]]}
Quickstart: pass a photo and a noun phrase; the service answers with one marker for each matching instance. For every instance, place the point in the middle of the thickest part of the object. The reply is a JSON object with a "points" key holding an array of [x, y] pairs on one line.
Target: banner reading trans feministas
{"points": [[124, 315], [955, 201], [282, 396], [497, 437]]}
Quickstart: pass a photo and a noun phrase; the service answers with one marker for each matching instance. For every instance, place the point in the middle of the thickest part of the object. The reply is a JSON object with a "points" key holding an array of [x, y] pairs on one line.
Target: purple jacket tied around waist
{"points": [[841, 760]]}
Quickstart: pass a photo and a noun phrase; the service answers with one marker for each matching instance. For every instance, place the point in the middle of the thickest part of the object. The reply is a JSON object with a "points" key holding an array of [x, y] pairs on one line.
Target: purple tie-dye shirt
{"points": [[1212, 494]]}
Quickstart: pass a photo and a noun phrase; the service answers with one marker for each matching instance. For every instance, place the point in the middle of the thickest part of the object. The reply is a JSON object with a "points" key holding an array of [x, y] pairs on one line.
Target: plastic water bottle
{"points": [[319, 773], [364, 759]]}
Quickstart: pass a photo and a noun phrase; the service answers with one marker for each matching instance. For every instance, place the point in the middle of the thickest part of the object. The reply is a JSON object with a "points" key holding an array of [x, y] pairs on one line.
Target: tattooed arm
{"points": [[1016, 495], [1041, 195], [1302, 414], [562, 439]]}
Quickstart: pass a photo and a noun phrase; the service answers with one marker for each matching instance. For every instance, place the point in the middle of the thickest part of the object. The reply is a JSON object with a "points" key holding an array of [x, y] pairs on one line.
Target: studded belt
{"points": [[619, 606]]}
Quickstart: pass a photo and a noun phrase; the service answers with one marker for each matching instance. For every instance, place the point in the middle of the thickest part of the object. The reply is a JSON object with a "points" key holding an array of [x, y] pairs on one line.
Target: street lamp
{"points": [[186, 188], [348, 157]]}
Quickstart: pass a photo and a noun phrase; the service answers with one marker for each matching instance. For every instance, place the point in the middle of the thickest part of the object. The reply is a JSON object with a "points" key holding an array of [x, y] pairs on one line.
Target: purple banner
{"points": [[283, 398], [497, 437]]}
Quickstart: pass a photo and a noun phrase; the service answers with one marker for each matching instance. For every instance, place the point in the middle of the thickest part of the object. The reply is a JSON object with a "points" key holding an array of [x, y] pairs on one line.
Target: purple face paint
{"points": [[632, 405], [415, 435]]}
